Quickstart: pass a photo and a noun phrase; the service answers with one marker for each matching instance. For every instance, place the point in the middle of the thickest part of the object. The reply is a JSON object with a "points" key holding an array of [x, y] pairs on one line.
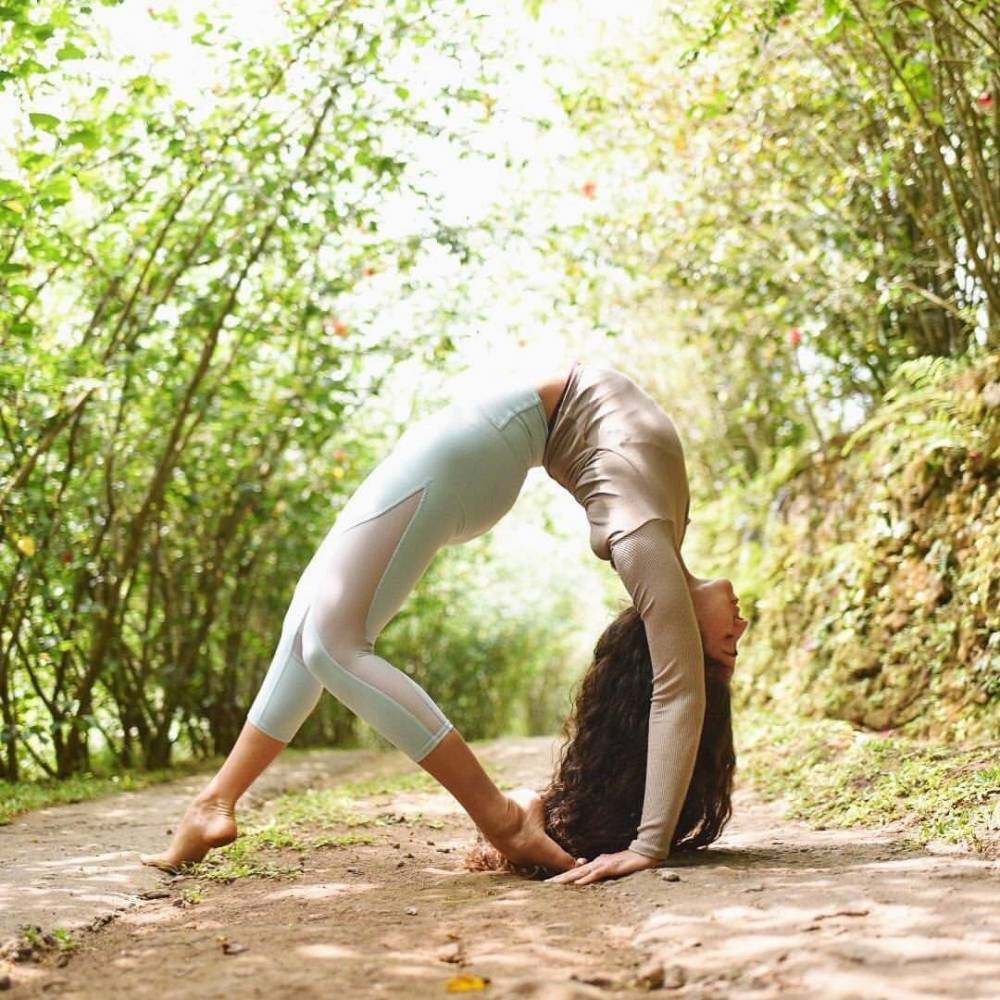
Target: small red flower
{"points": [[985, 100], [589, 189], [369, 271], [795, 336], [339, 327], [339, 454]]}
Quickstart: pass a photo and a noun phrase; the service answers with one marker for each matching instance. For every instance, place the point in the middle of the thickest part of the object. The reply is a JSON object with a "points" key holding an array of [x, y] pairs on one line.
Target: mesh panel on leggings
{"points": [[361, 580], [650, 567]]}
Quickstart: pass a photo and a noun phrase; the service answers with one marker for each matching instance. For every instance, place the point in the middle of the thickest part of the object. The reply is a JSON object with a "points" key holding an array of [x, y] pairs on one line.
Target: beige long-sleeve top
{"points": [[614, 448]]}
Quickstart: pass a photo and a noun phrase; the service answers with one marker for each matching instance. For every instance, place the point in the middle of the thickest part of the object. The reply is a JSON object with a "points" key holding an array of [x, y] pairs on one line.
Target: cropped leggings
{"points": [[451, 477]]}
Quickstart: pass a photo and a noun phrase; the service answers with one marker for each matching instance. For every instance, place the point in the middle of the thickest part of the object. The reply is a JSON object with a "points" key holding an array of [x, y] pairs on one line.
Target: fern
{"points": [[921, 405], [925, 372]]}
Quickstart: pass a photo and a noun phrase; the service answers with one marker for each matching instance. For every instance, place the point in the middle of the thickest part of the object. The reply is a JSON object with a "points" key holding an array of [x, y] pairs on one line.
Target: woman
{"points": [[451, 477], [594, 800]]}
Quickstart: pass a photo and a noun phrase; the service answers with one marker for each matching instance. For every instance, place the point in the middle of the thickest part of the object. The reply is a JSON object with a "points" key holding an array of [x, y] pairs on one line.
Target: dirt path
{"points": [[68, 865], [774, 909]]}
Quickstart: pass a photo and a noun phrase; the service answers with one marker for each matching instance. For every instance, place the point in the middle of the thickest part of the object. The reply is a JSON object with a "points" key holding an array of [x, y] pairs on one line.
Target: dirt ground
{"points": [[772, 910]]}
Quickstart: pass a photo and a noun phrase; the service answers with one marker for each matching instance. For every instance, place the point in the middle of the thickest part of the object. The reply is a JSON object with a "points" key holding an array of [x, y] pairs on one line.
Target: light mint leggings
{"points": [[451, 477]]}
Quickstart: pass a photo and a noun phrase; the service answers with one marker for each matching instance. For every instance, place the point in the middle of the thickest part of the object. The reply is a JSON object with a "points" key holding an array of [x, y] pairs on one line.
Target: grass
{"points": [[58, 939], [307, 820], [294, 822], [20, 797], [193, 896], [831, 775]]}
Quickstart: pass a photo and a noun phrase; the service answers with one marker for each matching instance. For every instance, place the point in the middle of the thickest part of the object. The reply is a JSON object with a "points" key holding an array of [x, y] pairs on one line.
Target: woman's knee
{"points": [[375, 691], [328, 643]]}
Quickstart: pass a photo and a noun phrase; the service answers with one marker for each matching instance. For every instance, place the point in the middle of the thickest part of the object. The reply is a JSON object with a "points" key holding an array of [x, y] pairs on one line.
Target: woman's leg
{"points": [[287, 695], [366, 577]]}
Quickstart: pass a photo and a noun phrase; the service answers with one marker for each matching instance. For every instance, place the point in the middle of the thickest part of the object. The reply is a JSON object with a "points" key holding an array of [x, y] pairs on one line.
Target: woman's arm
{"points": [[650, 568], [654, 576]]}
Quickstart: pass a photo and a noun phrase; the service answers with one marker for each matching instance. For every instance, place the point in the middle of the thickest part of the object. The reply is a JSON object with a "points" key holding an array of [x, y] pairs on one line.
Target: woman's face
{"points": [[718, 611]]}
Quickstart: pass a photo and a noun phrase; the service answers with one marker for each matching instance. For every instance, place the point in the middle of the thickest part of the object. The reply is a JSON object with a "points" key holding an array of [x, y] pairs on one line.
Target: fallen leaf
{"points": [[154, 894], [467, 983]]}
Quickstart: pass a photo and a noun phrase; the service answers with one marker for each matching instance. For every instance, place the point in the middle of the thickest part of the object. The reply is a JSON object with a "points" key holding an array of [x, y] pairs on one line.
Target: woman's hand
{"points": [[606, 866]]}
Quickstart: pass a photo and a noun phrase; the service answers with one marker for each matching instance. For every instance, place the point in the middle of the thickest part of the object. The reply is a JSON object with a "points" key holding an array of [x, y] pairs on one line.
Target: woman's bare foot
{"points": [[523, 839], [208, 822]]}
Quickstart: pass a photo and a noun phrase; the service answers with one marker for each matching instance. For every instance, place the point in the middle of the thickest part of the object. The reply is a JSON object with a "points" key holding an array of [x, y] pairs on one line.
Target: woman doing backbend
{"points": [[451, 477]]}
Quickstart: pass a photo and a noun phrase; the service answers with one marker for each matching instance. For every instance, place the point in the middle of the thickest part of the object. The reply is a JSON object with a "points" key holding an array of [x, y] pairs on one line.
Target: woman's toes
{"points": [[157, 861]]}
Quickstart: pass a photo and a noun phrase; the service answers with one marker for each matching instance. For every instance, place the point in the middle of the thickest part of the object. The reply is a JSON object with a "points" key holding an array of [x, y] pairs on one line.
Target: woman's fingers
{"points": [[597, 874], [605, 866], [582, 868], [568, 876]]}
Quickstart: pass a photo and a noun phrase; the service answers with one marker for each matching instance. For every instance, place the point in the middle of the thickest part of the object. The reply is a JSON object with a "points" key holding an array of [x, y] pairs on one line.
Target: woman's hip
{"points": [[469, 458]]}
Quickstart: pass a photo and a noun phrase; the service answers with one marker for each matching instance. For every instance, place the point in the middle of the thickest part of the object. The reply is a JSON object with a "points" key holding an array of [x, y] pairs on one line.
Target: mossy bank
{"points": [[877, 586]]}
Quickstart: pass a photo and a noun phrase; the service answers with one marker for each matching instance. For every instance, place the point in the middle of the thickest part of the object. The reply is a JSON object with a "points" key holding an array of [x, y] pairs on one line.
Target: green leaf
{"points": [[58, 190], [918, 76], [43, 121], [86, 137], [70, 51], [28, 67]]}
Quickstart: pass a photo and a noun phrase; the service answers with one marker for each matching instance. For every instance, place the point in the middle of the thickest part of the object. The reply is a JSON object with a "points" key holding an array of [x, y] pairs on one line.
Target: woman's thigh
{"points": [[368, 570]]}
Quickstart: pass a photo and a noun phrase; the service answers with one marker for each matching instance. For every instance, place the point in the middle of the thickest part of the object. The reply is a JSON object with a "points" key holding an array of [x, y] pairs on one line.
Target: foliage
{"points": [[23, 796], [33, 46], [803, 194], [785, 222], [178, 375], [792, 233], [877, 595], [831, 775]]}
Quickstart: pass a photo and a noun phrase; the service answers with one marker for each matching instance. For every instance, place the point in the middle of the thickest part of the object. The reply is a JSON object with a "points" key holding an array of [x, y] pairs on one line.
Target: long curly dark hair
{"points": [[593, 803]]}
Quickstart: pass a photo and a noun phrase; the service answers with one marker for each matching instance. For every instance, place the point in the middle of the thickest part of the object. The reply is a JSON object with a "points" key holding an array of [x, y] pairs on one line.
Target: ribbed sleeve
{"points": [[649, 566]]}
